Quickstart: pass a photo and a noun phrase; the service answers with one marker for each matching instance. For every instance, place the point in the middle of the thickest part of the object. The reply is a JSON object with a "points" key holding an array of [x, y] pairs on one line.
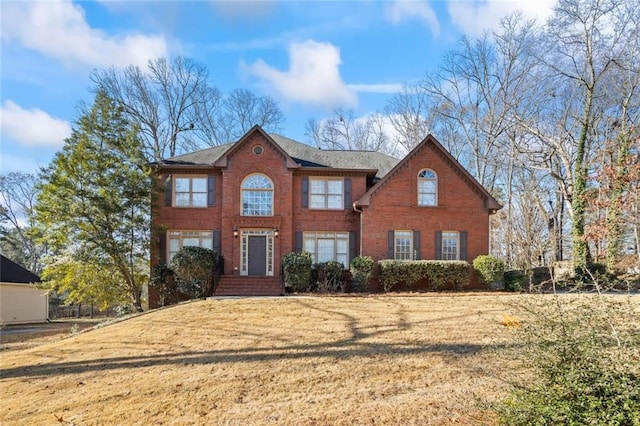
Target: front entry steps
{"points": [[249, 286]]}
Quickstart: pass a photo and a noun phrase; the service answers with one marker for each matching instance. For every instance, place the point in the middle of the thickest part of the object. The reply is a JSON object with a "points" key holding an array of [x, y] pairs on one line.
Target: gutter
{"points": [[355, 209]]}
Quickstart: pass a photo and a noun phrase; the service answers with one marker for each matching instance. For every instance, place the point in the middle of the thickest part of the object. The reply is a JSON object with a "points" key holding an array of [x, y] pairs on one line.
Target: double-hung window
{"points": [[326, 193], [326, 246], [179, 239], [190, 191], [450, 245], [403, 245]]}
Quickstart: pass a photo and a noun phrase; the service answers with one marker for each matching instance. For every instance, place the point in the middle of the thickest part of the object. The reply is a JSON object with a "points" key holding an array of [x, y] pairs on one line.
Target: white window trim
{"points": [[181, 234], [457, 255], [327, 235], [271, 190], [395, 244], [326, 180], [174, 191], [435, 194]]}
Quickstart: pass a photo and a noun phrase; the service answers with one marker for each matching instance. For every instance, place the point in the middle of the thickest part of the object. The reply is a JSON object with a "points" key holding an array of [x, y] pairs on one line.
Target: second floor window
{"points": [[190, 191], [326, 193], [257, 196], [427, 188]]}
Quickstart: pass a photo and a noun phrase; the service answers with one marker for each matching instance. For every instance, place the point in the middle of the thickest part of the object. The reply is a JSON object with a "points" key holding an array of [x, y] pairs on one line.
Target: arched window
{"points": [[427, 188], [257, 196]]}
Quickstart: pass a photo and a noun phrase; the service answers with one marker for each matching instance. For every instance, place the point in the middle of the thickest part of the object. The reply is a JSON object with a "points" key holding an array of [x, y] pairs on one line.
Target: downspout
{"points": [[355, 209]]}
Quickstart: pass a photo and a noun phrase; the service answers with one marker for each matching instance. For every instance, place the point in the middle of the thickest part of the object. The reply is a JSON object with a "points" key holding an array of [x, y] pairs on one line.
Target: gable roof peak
{"points": [[256, 129], [491, 203]]}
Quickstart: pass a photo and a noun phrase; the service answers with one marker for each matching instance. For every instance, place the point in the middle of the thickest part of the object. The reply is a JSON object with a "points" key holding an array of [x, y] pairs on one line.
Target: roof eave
{"points": [[370, 172]]}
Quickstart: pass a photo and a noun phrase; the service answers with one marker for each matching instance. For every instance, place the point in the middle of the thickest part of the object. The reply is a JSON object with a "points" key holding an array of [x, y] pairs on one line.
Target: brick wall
{"points": [[394, 207]]}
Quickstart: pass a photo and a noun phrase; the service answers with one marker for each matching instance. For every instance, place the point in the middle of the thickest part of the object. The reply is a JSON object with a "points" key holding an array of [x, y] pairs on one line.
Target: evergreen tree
{"points": [[96, 195]]}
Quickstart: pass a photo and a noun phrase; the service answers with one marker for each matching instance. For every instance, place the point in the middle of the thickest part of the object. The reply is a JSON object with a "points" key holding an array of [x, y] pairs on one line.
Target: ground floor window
{"points": [[403, 245], [179, 239], [326, 246], [450, 245]]}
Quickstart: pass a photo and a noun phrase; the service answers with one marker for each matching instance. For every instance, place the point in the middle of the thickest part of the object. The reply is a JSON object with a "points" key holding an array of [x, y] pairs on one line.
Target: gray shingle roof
{"points": [[303, 154]]}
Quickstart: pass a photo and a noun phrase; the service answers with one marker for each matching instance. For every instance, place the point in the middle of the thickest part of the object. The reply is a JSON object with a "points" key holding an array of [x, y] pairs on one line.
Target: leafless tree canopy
{"points": [[18, 241], [546, 116], [178, 110]]}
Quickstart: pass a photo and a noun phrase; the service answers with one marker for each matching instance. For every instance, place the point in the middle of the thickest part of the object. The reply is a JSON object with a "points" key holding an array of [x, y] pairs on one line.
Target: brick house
{"points": [[255, 200]]}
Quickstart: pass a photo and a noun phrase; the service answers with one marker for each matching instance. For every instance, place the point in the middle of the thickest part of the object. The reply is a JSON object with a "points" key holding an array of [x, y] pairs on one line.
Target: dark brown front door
{"points": [[257, 254]]}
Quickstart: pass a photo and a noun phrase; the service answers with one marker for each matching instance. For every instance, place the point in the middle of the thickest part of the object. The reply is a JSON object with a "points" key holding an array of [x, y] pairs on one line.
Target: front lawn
{"points": [[380, 359]]}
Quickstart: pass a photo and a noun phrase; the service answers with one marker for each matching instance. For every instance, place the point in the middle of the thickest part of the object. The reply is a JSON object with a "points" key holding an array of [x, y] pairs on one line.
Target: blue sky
{"points": [[312, 57]]}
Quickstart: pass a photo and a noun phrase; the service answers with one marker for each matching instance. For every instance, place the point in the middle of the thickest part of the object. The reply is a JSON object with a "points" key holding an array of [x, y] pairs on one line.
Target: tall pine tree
{"points": [[96, 195]]}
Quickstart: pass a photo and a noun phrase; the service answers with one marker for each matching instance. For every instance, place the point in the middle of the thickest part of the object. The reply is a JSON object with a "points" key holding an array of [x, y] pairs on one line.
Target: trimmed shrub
{"points": [[490, 268], [440, 273], [330, 277], [163, 280], [448, 273], [297, 271], [361, 269], [194, 268]]}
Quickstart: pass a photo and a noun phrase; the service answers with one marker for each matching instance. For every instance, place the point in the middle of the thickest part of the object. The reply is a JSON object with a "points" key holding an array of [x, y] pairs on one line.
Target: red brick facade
{"points": [[371, 204]]}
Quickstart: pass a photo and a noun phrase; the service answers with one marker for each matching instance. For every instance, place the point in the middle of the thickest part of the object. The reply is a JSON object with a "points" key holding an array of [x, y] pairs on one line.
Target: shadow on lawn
{"points": [[350, 347], [339, 350]]}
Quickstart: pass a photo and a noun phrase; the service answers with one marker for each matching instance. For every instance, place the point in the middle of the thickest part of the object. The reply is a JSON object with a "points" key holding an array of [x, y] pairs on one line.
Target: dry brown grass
{"points": [[14, 337], [372, 360]]}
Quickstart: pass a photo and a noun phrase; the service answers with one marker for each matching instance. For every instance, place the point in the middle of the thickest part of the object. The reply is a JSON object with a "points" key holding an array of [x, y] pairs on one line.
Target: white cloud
{"points": [[474, 17], [401, 10], [32, 127], [60, 30], [377, 88], [313, 76]]}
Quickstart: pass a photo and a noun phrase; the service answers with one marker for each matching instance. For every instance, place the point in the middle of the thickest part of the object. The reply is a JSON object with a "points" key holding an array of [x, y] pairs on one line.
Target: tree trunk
{"points": [[581, 256]]}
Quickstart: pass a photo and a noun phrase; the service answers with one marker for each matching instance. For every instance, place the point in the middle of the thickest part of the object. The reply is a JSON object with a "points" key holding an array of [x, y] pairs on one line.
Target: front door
{"points": [[257, 254]]}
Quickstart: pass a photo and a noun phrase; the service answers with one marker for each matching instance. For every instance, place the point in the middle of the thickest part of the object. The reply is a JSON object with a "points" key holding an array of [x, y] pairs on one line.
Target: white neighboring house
{"points": [[20, 301]]}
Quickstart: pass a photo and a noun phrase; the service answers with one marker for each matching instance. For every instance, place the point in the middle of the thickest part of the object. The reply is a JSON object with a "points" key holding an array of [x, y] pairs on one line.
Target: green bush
{"points": [[361, 269], [456, 273], [595, 273], [393, 272], [440, 273], [514, 280], [297, 271], [330, 276], [194, 268], [164, 282], [582, 355], [490, 268]]}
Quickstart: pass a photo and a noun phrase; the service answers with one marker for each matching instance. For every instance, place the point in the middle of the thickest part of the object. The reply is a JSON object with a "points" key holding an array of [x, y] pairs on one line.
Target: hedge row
{"points": [[439, 273], [303, 276]]}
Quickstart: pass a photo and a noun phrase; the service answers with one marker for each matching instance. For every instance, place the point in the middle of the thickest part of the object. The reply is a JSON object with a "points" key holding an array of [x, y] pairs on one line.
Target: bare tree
{"points": [[178, 110], [474, 92], [18, 235], [243, 110], [576, 55], [345, 131], [410, 113]]}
